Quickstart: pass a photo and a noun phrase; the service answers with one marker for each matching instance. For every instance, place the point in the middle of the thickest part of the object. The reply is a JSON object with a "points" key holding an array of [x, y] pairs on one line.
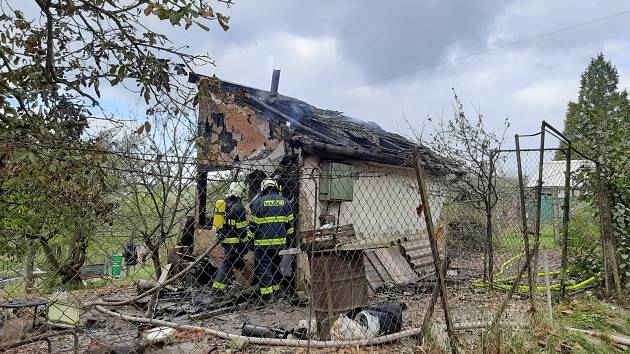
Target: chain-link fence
{"points": [[126, 248]]}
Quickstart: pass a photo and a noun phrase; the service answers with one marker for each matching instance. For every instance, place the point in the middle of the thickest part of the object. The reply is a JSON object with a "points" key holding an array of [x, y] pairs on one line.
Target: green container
{"points": [[117, 260]]}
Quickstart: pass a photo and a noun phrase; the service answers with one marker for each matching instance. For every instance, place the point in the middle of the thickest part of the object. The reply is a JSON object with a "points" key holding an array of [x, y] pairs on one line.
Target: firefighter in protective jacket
{"points": [[233, 236], [270, 223]]}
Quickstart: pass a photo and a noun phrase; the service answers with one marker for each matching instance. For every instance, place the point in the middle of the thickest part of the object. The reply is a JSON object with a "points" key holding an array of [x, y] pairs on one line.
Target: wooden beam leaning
{"points": [[426, 209]]}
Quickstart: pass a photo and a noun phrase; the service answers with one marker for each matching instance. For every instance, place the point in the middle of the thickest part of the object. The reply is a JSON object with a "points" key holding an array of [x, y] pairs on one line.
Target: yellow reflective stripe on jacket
{"points": [[218, 285], [250, 235], [231, 240], [275, 287], [267, 290], [291, 230], [238, 225], [271, 242], [271, 219]]}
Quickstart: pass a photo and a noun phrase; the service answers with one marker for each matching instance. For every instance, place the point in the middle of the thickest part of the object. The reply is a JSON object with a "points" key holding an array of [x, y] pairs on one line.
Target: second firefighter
{"points": [[233, 236]]}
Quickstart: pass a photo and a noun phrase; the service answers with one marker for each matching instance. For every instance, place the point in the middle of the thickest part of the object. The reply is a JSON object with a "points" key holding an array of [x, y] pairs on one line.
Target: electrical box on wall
{"points": [[335, 182]]}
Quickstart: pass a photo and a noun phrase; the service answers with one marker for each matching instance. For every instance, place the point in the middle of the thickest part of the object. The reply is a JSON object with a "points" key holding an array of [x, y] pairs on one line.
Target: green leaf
{"points": [[223, 21], [122, 70], [149, 9], [147, 96], [175, 18], [32, 157], [202, 26]]}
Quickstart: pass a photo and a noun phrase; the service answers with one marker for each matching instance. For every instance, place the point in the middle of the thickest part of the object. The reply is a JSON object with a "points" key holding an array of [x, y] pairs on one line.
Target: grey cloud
{"points": [[386, 38], [375, 39], [380, 37]]}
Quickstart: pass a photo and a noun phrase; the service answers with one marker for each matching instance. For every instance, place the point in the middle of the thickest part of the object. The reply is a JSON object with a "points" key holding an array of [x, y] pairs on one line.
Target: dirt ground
{"points": [[468, 305]]}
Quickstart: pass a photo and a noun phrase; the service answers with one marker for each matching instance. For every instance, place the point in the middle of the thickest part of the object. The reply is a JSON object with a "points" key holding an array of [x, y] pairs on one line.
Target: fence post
{"points": [[539, 200], [489, 246], [565, 221], [521, 188], [434, 250]]}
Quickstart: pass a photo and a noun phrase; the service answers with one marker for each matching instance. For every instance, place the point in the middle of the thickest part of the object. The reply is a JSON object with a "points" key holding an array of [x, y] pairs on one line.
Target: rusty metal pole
{"points": [[434, 250], [538, 208], [565, 221], [521, 187]]}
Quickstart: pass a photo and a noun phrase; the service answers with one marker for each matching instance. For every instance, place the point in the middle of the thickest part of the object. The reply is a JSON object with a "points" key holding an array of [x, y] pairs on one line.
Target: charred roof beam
{"points": [[294, 122]]}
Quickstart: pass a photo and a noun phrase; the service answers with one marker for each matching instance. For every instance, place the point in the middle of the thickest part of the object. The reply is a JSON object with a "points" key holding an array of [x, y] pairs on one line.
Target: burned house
{"points": [[336, 170]]}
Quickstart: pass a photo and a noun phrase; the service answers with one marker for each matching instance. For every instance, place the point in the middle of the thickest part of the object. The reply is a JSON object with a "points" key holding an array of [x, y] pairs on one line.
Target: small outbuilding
{"points": [[336, 170], [552, 197]]}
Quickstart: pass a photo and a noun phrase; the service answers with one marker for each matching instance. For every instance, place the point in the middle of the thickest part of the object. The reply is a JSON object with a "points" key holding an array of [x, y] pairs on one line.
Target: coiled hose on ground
{"points": [[505, 283]]}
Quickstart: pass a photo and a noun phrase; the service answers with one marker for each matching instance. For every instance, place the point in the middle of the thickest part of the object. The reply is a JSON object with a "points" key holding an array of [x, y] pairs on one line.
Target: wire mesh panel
{"points": [[141, 249]]}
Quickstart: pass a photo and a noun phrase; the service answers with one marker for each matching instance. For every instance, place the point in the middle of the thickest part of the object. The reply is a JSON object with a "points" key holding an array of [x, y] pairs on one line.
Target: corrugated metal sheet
{"points": [[387, 266], [418, 253]]}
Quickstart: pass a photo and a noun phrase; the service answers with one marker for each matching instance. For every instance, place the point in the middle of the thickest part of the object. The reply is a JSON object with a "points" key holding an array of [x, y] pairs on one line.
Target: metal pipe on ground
{"points": [[267, 341], [605, 336]]}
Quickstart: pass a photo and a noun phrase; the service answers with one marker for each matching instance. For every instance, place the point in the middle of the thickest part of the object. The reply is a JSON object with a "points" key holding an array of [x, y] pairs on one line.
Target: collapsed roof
{"points": [[330, 133]]}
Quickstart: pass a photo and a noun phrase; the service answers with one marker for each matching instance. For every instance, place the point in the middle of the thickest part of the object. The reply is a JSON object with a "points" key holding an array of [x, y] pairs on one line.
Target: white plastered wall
{"points": [[383, 208]]}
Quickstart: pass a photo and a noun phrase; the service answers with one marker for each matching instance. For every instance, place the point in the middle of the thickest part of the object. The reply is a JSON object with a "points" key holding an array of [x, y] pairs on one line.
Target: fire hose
{"points": [[504, 283]]}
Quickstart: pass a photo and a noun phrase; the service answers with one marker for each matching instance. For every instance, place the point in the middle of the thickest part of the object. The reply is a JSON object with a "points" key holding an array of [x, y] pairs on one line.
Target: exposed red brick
{"points": [[248, 130]]}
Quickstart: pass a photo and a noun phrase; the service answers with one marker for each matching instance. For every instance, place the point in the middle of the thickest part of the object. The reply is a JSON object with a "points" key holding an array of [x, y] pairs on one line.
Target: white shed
{"points": [[335, 169]]}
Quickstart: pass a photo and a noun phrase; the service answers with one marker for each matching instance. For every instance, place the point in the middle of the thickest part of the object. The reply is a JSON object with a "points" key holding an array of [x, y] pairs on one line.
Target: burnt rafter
{"points": [[329, 133]]}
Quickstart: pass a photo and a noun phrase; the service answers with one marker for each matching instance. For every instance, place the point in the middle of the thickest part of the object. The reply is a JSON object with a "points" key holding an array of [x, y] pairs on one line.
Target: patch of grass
{"points": [[142, 272], [585, 312], [513, 240], [43, 286], [12, 291], [96, 283]]}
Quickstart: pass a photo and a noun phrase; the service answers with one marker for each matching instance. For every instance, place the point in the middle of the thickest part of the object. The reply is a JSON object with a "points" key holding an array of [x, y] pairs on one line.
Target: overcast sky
{"points": [[329, 50]]}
